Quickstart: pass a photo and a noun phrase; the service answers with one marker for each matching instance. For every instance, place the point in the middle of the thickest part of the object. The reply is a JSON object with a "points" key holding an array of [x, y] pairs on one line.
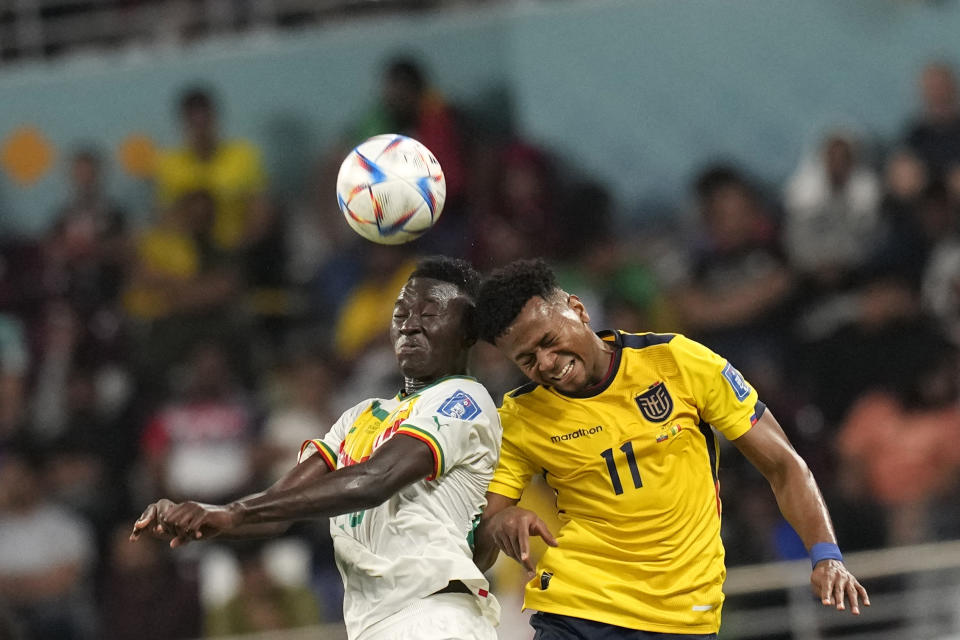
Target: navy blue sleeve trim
{"points": [[523, 389], [758, 410], [646, 340]]}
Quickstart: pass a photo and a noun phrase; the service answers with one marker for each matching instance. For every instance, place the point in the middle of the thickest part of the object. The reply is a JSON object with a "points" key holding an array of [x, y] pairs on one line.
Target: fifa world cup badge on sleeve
{"points": [[739, 385], [460, 406]]}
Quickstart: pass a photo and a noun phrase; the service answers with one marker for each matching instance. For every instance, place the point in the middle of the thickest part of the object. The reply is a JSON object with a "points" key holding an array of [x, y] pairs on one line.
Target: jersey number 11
{"points": [[627, 448]]}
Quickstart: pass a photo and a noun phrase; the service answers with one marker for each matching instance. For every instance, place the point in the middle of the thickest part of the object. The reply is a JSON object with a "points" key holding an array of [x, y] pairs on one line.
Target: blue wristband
{"points": [[824, 551]]}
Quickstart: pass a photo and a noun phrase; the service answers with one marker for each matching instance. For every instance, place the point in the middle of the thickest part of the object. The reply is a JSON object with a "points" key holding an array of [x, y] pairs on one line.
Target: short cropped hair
{"points": [[196, 97], [507, 290], [459, 273], [408, 71]]}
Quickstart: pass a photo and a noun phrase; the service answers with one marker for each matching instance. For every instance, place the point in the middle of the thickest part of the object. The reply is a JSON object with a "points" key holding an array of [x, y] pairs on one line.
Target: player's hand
{"points": [[833, 584], [151, 521], [511, 530], [194, 520]]}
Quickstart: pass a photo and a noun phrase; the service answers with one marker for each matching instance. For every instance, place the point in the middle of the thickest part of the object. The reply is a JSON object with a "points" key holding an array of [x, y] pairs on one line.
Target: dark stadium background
{"points": [[778, 180]]}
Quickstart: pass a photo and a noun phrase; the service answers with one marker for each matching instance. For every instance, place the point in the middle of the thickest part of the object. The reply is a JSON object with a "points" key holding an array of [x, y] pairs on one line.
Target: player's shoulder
{"points": [[676, 343], [456, 393], [530, 400], [521, 394], [354, 411], [637, 341]]}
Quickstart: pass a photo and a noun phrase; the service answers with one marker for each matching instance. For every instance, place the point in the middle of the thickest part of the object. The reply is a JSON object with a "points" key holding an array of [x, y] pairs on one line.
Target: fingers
{"points": [[524, 544], [540, 528], [839, 595], [826, 590], [145, 519], [179, 541], [510, 543], [836, 586], [178, 519], [851, 590]]}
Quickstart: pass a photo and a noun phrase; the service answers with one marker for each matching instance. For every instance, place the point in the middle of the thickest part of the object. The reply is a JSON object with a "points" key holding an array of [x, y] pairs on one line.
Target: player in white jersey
{"points": [[402, 508]]}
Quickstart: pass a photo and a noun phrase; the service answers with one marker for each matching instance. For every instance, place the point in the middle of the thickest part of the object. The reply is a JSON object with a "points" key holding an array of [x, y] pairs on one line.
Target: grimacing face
{"points": [[553, 345], [427, 330]]}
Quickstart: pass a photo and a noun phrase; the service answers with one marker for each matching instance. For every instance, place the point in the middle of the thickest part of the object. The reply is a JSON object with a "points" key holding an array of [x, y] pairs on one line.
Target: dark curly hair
{"points": [[457, 272], [505, 292]]}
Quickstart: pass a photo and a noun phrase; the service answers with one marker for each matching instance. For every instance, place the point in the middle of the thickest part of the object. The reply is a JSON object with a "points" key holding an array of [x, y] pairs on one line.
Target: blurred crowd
{"points": [[190, 357]]}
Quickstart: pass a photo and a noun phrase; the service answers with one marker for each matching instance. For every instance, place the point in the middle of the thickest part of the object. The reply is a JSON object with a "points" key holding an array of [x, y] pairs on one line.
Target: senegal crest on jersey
{"points": [[371, 429]]}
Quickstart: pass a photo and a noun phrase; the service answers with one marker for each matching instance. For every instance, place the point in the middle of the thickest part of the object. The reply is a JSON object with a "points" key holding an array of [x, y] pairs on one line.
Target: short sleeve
{"points": [[514, 469], [459, 423], [328, 447], [723, 397], [254, 177]]}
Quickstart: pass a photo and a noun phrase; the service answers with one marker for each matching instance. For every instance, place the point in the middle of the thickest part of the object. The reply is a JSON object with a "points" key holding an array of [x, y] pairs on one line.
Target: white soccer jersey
{"points": [[416, 542]]}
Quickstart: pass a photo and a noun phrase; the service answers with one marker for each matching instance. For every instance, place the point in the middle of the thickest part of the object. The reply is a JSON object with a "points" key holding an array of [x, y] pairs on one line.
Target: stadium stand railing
{"points": [[914, 594], [37, 29]]}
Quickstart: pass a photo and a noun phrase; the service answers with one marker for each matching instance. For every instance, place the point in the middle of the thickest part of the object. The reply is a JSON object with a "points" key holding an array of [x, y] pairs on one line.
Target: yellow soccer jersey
{"points": [[232, 175], [634, 466]]}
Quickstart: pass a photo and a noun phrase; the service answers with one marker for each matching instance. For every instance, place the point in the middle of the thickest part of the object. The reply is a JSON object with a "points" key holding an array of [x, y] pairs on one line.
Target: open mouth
{"points": [[560, 377]]}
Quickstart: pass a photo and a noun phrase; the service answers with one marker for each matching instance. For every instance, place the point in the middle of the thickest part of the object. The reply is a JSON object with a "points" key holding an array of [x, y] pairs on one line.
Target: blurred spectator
{"points": [[941, 278], [305, 410], [86, 249], [200, 445], [364, 318], [605, 268], [143, 578], [323, 254], [832, 204], [410, 106], [229, 170], [14, 366], [86, 461], [21, 277], [739, 281], [46, 557], [902, 245], [182, 287], [316, 230], [262, 603], [513, 215], [934, 134], [904, 450]]}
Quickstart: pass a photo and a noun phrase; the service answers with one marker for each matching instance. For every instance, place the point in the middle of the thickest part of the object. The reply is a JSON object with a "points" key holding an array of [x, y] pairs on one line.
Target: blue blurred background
{"points": [[780, 180]]}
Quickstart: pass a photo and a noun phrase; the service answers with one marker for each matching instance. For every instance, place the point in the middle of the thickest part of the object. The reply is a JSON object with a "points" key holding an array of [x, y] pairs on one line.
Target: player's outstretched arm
{"points": [[505, 526], [155, 520], [766, 446], [399, 462]]}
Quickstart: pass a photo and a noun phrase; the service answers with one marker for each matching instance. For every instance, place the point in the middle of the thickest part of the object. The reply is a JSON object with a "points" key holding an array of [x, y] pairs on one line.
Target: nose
{"points": [[411, 324], [546, 360]]}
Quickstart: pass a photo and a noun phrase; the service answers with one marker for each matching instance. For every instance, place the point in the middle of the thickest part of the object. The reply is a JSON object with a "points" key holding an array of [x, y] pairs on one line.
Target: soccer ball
{"points": [[391, 189]]}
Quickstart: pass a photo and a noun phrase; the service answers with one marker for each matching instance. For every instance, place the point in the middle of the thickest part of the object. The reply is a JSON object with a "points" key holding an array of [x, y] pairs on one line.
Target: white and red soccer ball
{"points": [[391, 189]]}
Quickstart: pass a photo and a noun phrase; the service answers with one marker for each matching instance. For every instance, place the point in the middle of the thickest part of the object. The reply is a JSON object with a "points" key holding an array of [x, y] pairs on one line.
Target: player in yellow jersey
{"points": [[403, 477], [623, 428]]}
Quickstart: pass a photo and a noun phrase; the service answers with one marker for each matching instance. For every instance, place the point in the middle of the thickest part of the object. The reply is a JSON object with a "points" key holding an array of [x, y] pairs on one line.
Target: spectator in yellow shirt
{"points": [[230, 170]]}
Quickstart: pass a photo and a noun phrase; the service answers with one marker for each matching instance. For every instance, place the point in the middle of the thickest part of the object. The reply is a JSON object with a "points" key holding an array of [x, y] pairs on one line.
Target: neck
{"points": [[415, 385], [204, 147], [602, 368], [411, 385]]}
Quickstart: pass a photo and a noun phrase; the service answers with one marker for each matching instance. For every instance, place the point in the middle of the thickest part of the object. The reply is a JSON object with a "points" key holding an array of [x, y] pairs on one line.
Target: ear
{"points": [[576, 305]]}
